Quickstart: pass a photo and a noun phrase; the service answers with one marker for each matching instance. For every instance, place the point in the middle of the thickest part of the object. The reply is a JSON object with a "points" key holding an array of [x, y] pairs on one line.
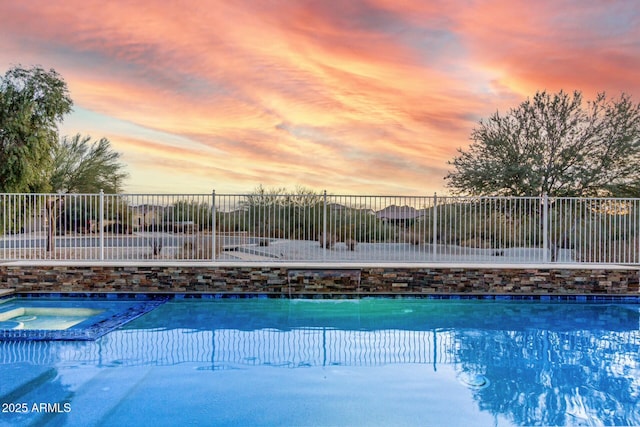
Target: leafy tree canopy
{"points": [[82, 166], [32, 104], [299, 196], [554, 144]]}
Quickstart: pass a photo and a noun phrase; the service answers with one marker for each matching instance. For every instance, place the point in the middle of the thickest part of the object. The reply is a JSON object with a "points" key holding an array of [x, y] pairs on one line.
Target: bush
{"points": [[199, 247]]}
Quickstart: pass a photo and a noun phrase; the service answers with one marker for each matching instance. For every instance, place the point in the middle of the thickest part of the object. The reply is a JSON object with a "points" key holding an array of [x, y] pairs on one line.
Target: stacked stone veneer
{"points": [[287, 281]]}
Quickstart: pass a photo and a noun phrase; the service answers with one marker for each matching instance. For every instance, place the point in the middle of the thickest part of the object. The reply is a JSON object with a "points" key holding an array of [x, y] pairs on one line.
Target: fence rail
{"points": [[319, 228]]}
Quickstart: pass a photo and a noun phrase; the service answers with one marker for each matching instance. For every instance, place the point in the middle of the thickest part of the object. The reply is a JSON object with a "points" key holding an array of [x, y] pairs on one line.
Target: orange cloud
{"points": [[589, 46]]}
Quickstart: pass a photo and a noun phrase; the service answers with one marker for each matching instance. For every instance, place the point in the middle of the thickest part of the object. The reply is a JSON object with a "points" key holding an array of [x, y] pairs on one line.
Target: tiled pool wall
{"points": [[295, 281]]}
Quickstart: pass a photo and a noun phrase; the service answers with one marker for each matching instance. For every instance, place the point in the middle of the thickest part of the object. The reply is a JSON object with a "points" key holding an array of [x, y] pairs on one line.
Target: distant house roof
{"points": [[338, 207], [147, 208], [399, 213]]}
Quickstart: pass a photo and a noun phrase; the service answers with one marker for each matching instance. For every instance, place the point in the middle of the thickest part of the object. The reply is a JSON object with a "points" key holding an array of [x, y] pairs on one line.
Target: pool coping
{"points": [[321, 265]]}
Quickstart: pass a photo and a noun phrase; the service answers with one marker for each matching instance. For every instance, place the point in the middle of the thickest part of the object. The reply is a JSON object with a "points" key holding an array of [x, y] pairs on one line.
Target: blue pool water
{"points": [[326, 362]]}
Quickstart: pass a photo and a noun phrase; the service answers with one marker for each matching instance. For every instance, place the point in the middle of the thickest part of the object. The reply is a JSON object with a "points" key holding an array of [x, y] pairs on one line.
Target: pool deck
{"points": [[5, 292]]}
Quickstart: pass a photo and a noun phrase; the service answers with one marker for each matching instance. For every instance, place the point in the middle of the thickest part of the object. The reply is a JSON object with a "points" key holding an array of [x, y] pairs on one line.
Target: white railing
{"points": [[319, 228]]}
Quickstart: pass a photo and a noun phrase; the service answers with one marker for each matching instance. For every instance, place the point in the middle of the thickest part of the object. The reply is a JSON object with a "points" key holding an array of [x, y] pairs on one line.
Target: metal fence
{"points": [[319, 228]]}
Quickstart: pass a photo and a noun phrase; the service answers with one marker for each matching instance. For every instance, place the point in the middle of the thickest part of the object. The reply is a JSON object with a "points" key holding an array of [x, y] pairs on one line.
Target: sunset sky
{"points": [[353, 96]]}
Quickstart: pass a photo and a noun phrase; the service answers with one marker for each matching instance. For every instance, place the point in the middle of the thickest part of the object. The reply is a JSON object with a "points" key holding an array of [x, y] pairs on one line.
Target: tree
{"points": [[553, 144], [32, 104], [82, 166]]}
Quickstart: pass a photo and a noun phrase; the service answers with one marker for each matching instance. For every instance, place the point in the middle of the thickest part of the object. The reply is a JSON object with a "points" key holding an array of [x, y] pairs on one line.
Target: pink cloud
{"points": [[589, 46], [369, 95]]}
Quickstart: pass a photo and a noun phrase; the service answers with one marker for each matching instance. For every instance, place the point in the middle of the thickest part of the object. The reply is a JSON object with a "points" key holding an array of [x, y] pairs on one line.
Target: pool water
{"points": [[339, 362]]}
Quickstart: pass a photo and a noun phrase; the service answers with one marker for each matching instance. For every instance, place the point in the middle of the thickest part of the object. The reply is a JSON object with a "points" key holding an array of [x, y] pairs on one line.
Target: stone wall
{"points": [[336, 282]]}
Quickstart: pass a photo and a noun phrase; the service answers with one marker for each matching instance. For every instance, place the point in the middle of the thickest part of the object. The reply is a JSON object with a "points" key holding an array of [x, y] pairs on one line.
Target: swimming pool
{"points": [[197, 361]]}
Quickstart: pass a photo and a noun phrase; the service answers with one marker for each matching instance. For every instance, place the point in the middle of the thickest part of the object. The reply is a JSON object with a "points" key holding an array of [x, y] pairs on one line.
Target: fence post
{"points": [[545, 228], [213, 225], [101, 225], [324, 225], [434, 237]]}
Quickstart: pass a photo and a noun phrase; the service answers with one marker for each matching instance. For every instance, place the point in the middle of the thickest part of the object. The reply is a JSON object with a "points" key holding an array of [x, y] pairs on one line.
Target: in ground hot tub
{"points": [[70, 317], [50, 318]]}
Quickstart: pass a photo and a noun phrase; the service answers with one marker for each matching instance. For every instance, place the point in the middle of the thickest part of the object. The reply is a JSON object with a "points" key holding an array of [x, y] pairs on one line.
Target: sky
{"points": [[352, 97]]}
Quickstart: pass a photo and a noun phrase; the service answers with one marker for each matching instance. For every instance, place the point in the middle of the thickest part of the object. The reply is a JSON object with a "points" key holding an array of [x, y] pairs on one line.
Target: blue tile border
{"points": [[187, 296], [542, 297], [124, 296], [489, 297]]}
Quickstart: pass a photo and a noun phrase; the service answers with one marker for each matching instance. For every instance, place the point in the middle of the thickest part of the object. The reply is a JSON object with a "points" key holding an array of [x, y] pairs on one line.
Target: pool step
{"points": [[92, 400], [19, 379], [22, 390], [95, 399], [34, 385]]}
